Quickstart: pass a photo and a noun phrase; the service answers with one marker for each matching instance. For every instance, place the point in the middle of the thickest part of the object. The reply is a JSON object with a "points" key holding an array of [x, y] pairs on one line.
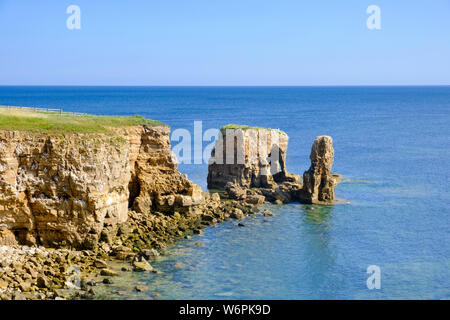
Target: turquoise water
{"points": [[392, 145]]}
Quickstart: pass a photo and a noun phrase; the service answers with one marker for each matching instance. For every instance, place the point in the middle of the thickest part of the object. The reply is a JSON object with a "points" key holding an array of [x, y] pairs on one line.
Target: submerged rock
{"points": [[141, 288], [150, 254], [267, 213], [108, 273], [100, 264], [198, 244]]}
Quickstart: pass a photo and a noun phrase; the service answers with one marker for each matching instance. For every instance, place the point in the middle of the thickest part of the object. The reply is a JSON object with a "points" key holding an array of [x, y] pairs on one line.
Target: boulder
{"points": [[100, 264], [255, 199], [235, 192], [108, 273], [140, 288], [42, 282], [150, 254], [141, 266], [215, 197], [237, 214]]}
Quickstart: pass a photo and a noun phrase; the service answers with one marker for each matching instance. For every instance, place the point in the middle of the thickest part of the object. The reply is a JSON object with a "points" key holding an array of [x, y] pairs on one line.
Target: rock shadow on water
{"points": [[318, 215], [319, 253]]}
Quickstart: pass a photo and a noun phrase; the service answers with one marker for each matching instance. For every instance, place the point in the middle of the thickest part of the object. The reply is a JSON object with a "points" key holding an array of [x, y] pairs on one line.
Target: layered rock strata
{"points": [[67, 189]]}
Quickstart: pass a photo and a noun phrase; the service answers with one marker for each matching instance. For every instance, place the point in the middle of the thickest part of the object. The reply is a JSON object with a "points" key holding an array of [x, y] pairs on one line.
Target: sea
{"points": [[388, 239]]}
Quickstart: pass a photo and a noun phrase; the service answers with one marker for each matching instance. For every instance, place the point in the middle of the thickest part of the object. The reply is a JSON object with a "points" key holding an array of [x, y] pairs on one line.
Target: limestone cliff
{"points": [[65, 189]]}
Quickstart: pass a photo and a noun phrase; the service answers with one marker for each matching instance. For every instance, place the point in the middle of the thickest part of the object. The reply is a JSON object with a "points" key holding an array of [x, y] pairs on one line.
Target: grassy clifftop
{"points": [[245, 127], [42, 121]]}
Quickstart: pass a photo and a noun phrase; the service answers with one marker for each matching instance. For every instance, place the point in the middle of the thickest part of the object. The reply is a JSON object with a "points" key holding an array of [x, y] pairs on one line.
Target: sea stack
{"points": [[318, 181], [249, 157], [250, 163]]}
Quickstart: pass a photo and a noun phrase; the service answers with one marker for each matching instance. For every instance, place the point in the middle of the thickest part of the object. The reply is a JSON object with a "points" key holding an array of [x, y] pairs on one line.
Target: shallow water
{"points": [[392, 144]]}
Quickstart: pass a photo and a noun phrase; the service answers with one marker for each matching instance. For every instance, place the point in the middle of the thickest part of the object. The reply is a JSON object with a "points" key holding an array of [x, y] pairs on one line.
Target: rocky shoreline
{"points": [[72, 204], [36, 273]]}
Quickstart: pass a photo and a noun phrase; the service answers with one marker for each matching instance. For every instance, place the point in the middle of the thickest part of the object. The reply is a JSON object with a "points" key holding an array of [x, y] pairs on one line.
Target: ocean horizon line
{"points": [[235, 86]]}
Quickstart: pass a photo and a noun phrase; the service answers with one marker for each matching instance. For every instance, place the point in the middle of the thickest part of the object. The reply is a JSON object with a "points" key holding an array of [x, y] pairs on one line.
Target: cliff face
{"points": [[251, 158], [65, 190], [155, 180]]}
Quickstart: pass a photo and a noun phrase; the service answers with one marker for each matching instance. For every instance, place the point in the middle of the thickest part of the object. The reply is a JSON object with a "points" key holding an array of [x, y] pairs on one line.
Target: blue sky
{"points": [[228, 42]]}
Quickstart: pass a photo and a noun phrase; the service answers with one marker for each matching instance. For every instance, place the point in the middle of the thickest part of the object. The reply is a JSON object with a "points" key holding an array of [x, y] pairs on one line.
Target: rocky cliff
{"points": [[65, 189], [250, 165]]}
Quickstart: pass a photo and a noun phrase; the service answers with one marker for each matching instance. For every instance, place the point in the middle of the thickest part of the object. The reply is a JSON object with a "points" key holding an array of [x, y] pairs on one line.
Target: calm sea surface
{"points": [[392, 145]]}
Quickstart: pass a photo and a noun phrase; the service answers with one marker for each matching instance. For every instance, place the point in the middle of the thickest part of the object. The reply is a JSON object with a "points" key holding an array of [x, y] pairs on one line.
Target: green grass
{"points": [[245, 127], [41, 121]]}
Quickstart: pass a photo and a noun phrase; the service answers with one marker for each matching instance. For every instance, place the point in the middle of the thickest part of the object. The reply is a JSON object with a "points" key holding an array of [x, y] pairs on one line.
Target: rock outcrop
{"points": [[69, 189], [318, 181], [256, 167]]}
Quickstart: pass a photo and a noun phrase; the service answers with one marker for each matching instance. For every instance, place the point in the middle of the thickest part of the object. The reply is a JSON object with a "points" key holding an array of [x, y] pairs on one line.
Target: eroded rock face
{"points": [[68, 189], [155, 180], [250, 158], [318, 181], [56, 189]]}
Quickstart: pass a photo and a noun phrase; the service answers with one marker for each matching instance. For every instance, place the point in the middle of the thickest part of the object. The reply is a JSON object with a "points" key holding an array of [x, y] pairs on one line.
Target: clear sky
{"points": [[227, 42]]}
